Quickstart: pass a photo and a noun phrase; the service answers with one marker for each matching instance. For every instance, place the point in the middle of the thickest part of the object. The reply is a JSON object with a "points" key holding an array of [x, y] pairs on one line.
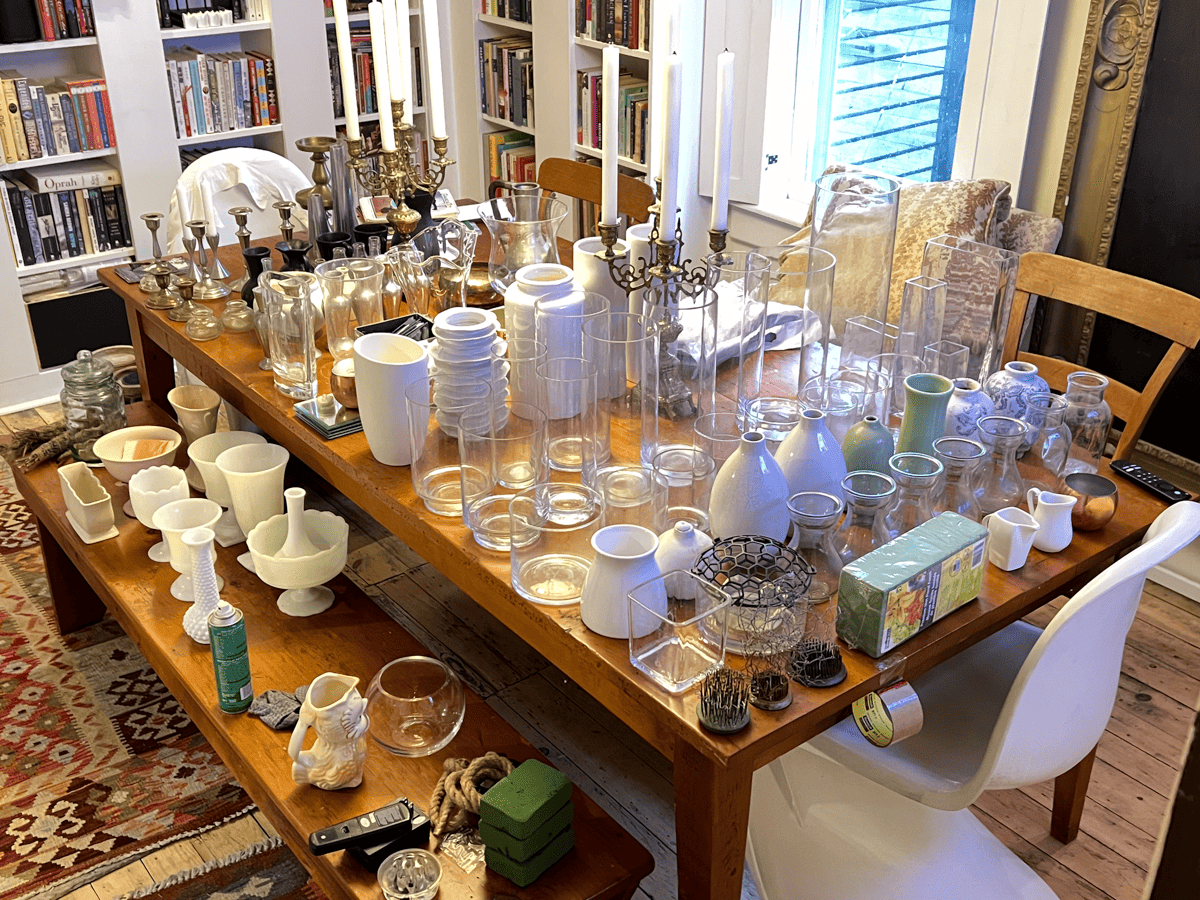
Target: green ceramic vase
{"points": [[925, 399], [868, 445]]}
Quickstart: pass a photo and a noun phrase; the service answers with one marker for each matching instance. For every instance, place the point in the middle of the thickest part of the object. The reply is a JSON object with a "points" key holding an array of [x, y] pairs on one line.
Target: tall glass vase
{"points": [[741, 280]]}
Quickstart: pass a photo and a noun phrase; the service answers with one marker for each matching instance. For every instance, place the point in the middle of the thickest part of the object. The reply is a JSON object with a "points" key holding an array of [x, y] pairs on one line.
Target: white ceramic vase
{"points": [[624, 559], [205, 592], [254, 475], [592, 274], [678, 550], [173, 520], [203, 454], [749, 495], [334, 707], [811, 458], [149, 491], [385, 366], [968, 404], [640, 251], [196, 407]]}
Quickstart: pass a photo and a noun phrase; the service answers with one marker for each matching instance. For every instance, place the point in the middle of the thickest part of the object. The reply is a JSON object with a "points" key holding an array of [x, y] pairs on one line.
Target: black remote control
{"points": [[373, 828], [1151, 482]]}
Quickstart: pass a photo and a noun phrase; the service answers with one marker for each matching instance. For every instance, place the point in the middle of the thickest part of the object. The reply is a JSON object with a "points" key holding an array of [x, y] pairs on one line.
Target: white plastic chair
{"points": [[237, 176], [839, 817]]}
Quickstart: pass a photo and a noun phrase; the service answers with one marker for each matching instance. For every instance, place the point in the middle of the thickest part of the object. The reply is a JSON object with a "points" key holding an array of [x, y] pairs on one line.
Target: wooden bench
{"points": [[354, 637]]}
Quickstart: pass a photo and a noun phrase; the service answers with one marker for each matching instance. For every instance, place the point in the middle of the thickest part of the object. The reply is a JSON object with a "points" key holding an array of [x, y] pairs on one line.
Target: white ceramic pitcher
{"points": [[1053, 514], [337, 711], [1010, 535]]}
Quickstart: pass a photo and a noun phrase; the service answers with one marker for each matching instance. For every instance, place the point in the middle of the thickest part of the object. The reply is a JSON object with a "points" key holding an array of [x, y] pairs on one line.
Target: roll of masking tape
{"points": [[890, 715]]}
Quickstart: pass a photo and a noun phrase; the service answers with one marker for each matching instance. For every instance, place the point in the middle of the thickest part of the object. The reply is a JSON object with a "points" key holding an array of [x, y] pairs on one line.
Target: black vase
{"points": [[295, 256], [254, 257], [329, 241], [422, 202]]}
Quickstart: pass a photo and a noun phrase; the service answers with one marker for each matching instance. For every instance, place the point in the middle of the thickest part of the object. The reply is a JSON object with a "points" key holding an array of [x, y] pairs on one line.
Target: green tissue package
{"points": [[527, 798], [895, 591]]}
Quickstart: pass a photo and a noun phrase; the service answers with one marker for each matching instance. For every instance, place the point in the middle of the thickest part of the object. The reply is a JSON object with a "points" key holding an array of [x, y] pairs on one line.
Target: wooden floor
{"points": [[1133, 778]]}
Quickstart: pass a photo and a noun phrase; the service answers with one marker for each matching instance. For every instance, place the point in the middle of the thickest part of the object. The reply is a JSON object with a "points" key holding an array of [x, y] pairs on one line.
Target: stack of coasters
{"points": [[525, 822]]}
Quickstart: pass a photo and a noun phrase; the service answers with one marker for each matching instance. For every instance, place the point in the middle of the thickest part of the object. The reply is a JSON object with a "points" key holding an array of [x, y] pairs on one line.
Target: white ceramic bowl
{"points": [[204, 452], [155, 487], [111, 447], [328, 532]]}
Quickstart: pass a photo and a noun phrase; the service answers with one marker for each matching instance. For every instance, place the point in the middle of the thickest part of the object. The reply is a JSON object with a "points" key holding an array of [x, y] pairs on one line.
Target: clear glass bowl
{"points": [[416, 706]]}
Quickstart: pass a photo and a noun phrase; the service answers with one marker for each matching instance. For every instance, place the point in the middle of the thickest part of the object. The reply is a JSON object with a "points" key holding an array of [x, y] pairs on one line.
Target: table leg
{"points": [[1070, 790], [75, 603], [156, 369], [712, 813]]}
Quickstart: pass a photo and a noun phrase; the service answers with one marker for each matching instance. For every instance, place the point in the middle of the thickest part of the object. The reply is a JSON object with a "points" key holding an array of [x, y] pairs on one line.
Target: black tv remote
{"points": [[1151, 482], [369, 829]]}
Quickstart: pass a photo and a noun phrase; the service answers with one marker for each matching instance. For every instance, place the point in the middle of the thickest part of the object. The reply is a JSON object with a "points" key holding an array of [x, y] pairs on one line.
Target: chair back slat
{"points": [[583, 182]]}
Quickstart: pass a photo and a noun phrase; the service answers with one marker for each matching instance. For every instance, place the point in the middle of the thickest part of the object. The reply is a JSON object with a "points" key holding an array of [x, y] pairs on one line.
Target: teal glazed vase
{"points": [[926, 397], [868, 446]]}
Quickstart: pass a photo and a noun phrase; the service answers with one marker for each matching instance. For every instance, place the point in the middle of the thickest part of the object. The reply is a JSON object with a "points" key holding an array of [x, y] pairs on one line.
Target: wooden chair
{"points": [[581, 181], [1158, 309]]}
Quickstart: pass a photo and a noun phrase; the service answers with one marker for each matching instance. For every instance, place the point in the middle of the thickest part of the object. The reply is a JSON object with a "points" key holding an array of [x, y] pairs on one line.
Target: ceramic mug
{"points": [[1010, 535], [385, 366], [1053, 514]]}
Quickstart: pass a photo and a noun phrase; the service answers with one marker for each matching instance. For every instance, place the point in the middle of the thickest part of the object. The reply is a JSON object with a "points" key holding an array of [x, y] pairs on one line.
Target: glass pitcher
{"points": [[524, 231]]}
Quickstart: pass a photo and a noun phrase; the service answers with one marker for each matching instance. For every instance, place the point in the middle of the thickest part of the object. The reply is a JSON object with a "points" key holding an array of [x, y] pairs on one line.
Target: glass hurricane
{"points": [[416, 706]]}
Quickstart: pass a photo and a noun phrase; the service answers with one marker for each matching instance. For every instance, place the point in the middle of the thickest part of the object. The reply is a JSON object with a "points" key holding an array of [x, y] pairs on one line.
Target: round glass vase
{"points": [[960, 457], [917, 478], [999, 483], [868, 494], [815, 515], [1049, 441], [1089, 418]]}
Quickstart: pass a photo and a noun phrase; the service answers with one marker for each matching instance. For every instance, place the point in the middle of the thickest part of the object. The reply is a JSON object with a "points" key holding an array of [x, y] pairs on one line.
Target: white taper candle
{"points": [[610, 83], [723, 148], [341, 27], [382, 85], [435, 102], [670, 168]]}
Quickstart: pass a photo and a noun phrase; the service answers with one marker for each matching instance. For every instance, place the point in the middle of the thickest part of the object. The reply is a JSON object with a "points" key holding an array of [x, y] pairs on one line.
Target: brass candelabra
{"points": [[397, 174]]}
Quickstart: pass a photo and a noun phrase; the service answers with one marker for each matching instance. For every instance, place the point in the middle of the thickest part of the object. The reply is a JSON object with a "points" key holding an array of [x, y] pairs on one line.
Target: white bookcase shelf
{"points": [[188, 34], [219, 136], [56, 160]]}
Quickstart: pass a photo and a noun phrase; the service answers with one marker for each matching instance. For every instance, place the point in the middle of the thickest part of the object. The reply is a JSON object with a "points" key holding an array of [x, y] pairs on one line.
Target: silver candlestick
{"points": [[286, 225], [207, 288], [241, 215], [217, 270]]}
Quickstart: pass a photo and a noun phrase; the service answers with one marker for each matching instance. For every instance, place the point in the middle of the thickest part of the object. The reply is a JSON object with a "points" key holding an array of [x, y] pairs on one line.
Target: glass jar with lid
{"points": [[92, 403]]}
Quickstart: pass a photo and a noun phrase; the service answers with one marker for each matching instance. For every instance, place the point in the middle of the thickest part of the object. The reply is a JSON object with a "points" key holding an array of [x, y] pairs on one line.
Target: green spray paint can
{"points": [[231, 658]]}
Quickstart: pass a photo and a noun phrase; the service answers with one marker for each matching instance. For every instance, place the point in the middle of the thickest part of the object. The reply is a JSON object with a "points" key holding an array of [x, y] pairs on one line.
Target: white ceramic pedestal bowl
{"points": [[254, 475], [196, 407], [203, 452], [114, 448], [173, 520], [303, 577], [149, 491]]}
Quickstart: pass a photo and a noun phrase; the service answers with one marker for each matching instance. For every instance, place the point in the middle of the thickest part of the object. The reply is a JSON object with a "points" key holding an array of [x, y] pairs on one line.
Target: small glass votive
{"points": [[567, 394], [683, 643], [416, 706], [773, 418], [551, 543], [683, 481], [496, 463], [628, 494], [433, 427], [718, 435], [413, 874]]}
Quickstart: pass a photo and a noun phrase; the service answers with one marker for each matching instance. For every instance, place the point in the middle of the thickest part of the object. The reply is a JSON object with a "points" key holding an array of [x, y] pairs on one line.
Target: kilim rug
{"points": [[267, 871], [98, 763]]}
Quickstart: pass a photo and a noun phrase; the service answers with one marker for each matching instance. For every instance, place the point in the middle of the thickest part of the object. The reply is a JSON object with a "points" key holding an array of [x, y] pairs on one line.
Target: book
{"points": [[12, 110], [69, 175], [8, 139], [25, 105], [112, 218], [106, 116], [18, 224], [31, 224]]}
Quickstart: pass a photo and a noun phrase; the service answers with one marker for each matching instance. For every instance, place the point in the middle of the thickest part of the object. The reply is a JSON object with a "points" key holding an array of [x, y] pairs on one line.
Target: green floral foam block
{"points": [[526, 799]]}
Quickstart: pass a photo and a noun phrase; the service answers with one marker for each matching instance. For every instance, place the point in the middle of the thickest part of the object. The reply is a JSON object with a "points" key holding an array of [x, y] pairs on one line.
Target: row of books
{"points": [[58, 213], [171, 12], [510, 156], [364, 74], [217, 92], [633, 108], [53, 118], [622, 22], [506, 79], [516, 10], [22, 21]]}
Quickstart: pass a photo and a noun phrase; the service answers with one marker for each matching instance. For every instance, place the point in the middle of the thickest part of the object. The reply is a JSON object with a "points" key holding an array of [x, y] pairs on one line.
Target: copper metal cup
{"points": [[1096, 498], [341, 383]]}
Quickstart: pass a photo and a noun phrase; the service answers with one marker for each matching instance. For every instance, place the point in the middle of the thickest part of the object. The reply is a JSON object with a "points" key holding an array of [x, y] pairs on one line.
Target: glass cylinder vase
{"points": [[741, 279], [1089, 418]]}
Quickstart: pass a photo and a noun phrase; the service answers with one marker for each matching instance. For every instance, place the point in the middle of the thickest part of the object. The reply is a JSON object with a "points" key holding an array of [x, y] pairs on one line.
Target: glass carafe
{"points": [[868, 494], [815, 515], [999, 483], [92, 403], [524, 231], [917, 477], [1089, 419], [1049, 440], [960, 458]]}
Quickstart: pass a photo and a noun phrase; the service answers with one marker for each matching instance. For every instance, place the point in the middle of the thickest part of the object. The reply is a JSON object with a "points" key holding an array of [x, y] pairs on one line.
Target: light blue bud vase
{"points": [[868, 445], [926, 397]]}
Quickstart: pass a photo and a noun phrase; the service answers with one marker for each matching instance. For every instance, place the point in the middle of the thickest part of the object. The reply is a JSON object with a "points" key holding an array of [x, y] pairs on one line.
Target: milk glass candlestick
{"points": [[341, 27], [724, 145], [382, 83], [670, 161], [608, 135], [433, 55]]}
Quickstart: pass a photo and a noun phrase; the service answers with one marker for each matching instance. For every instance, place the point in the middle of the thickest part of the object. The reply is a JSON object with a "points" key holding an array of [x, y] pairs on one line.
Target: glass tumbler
{"points": [[567, 394], [683, 481], [998, 482], [353, 292], [1089, 418], [1049, 440], [433, 428], [741, 280], [960, 458], [551, 544], [558, 321], [688, 640], [815, 515], [718, 435], [624, 349], [868, 495], [416, 706], [917, 478]]}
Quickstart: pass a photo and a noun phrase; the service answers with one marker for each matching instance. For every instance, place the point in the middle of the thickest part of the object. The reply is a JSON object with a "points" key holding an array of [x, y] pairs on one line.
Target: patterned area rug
{"points": [[266, 872], [98, 763]]}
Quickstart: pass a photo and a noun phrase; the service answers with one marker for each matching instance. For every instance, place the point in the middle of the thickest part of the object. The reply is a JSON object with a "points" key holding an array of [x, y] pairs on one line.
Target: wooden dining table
{"points": [[713, 773]]}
